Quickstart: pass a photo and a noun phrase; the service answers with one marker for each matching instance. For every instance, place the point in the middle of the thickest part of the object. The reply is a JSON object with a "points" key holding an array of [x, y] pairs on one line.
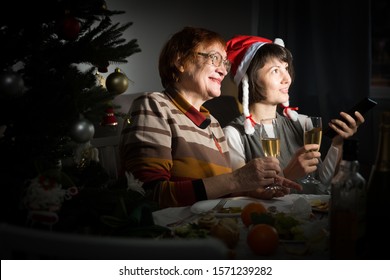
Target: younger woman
{"points": [[263, 71]]}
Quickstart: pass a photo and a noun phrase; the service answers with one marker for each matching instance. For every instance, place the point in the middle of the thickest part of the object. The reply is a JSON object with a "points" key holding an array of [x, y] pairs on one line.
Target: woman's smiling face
{"points": [[276, 81], [200, 76]]}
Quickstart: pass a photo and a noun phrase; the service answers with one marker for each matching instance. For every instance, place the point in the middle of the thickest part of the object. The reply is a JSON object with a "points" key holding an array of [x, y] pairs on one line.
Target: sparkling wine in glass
{"points": [[312, 135], [270, 140], [271, 146]]}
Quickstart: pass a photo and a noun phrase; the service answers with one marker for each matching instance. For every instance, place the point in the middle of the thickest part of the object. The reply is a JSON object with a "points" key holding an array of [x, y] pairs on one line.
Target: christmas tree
{"points": [[49, 107]]}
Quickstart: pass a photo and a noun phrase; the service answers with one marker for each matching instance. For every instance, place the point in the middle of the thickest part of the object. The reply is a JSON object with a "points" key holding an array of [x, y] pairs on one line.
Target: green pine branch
{"points": [[38, 123]]}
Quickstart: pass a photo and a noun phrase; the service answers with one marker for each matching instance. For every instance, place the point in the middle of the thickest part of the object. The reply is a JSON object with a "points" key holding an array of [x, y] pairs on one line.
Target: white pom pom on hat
{"points": [[240, 51]]}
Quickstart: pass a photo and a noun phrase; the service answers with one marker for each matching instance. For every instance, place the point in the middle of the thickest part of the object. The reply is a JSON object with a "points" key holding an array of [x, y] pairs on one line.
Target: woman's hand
{"points": [[345, 128], [270, 192], [251, 179], [259, 173], [304, 161]]}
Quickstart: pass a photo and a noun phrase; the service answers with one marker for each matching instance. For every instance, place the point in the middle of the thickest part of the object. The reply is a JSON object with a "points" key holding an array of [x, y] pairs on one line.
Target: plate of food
{"points": [[318, 203], [232, 207], [321, 206]]}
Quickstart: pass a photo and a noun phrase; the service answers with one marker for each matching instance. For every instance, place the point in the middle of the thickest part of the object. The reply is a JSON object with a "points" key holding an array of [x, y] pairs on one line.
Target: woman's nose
{"points": [[286, 78]]}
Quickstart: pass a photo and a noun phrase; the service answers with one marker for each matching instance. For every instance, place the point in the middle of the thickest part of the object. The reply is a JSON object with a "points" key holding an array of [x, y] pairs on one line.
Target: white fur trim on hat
{"points": [[246, 60], [249, 54]]}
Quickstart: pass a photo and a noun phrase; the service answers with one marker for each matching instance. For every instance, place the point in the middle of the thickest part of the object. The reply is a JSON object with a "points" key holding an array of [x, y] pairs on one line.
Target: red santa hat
{"points": [[240, 51]]}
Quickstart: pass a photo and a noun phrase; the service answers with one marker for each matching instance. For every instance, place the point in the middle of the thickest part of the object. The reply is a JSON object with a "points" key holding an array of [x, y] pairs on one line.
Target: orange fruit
{"points": [[263, 239], [252, 207]]}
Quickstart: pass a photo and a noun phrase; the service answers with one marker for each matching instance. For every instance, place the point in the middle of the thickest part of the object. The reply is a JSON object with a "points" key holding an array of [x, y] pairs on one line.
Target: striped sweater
{"points": [[171, 146]]}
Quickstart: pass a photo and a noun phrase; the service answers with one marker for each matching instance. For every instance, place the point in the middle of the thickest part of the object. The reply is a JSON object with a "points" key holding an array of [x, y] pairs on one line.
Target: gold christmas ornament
{"points": [[117, 82]]}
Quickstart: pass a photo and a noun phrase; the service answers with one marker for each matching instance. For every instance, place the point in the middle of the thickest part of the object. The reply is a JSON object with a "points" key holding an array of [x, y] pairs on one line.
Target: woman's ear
{"points": [[179, 65]]}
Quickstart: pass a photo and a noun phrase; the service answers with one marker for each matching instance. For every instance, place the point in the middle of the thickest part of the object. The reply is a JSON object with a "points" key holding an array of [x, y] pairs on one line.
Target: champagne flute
{"points": [[270, 140], [312, 135]]}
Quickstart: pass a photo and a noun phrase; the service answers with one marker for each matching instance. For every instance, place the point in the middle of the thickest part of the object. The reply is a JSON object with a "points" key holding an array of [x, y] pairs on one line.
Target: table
{"points": [[286, 250]]}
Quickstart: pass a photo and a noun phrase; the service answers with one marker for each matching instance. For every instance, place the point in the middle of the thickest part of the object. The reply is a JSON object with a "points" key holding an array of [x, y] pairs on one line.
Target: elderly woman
{"points": [[174, 145]]}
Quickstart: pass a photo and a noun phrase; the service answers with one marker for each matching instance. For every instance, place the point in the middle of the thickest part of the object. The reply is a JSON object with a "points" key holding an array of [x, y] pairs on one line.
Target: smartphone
{"points": [[365, 105]]}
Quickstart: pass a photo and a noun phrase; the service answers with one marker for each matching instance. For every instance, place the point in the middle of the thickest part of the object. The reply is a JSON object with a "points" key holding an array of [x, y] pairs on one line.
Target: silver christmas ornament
{"points": [[82, 131], [11, 84]]}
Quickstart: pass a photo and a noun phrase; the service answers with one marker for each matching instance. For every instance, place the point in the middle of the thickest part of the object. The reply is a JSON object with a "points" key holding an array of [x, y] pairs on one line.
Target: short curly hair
{"points": [[182, 45]]}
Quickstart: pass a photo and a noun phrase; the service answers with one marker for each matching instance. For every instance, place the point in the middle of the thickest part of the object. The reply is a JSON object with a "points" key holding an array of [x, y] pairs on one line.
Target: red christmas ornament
{"points": [[103, 68], [70, 28], [109, 119]]}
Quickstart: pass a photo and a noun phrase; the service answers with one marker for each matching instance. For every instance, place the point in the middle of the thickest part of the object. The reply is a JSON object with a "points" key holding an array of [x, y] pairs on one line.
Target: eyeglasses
{"points": [[217, 60]]}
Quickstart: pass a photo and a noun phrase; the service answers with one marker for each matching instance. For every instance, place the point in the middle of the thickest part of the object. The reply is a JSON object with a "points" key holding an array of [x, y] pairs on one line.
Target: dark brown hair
{"points": [[263, 55], [182, 45]]}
